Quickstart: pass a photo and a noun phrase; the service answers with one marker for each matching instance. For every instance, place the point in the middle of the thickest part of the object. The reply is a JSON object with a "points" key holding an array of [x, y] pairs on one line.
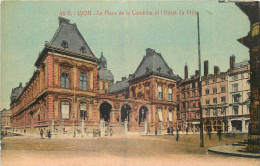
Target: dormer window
{"points": [[83, 49], [64, 44]]}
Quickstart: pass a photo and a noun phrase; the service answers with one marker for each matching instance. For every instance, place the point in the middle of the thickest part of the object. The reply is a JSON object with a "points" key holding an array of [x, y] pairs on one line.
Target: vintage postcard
{"points": [[125, 83]]}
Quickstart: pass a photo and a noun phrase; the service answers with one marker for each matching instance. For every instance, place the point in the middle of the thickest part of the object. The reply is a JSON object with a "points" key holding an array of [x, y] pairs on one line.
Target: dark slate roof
{"points": [[119, 86], [69, 32], [241, 64], [16, 92], [105, 74], [153, 62]]}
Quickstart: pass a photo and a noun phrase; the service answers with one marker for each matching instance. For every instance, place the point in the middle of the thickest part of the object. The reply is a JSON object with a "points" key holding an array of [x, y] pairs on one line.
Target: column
{"points": [[243, 125], [229, 126], [125, 127], [82, 127]]}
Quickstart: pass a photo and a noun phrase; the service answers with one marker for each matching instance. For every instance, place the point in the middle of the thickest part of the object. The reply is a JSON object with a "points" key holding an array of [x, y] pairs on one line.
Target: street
{"points": [[123, 150]]}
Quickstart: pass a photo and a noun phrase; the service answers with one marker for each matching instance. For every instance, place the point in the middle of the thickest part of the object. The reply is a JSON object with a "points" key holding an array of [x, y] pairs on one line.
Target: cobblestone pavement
{"points": [[121, 151]]}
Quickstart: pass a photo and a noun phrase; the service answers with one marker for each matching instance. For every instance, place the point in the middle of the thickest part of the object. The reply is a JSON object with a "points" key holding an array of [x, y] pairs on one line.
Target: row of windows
{"points": [[65, 81], [223, 78], [215, 100], [160, 115], [215, 112], [160, 92], [215, 90], [65, 110]]}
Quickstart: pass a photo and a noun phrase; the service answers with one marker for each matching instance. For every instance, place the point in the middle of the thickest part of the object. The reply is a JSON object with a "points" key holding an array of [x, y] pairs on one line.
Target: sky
{"points": [[25, 26]]}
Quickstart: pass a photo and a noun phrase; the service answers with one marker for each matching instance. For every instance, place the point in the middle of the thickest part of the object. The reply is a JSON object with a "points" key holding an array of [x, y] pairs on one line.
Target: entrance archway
{"points": [[236, 125], [143, 111], [125, 110], [104, 110]]}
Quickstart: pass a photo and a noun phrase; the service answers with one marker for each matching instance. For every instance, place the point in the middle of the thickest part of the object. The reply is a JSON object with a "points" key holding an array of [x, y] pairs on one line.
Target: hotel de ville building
{"points": [[72, 91]]}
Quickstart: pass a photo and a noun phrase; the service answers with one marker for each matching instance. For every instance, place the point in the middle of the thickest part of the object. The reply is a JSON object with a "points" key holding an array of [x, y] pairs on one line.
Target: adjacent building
{"points": [[5, 119], [214, 99], [238, 96], [188, 107]]}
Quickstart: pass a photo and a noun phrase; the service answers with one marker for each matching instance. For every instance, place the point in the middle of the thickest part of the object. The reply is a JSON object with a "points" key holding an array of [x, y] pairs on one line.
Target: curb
{"points": [[239, 154]]}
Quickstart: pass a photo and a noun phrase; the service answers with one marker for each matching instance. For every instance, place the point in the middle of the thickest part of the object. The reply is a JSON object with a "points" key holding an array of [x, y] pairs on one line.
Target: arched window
{"points": [[65, 110], [170, 92]]}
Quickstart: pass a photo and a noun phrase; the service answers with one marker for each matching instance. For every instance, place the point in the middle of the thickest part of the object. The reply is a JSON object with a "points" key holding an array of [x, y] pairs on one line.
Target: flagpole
{"points": [[200, 91]]}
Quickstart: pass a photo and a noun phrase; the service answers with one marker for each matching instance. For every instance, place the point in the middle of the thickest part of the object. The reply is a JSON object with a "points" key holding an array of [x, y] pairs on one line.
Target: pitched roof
{"points": [[105, 74], [153, 62], [241, 64], [119, 86], [68, 37]]}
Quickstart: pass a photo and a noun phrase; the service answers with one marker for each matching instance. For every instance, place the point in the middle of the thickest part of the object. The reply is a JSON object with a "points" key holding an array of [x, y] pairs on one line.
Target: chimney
{"points": [[196, 73], [20, 84], [232, 63], [186, 72], [216, 70], [123, 78], [206, 68]]}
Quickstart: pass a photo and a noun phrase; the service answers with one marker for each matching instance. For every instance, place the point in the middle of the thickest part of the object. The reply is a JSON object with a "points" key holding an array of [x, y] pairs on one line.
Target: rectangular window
{"points": [[207, 91], [242, 76], [214, 90], [207, 82], [235, 110], [223, 88], [65, 110], [207, 101], [235, 77], [83, 81], [194, 105], [235, 87], [223, 99], [160, 116], [223, 78], [215, 112], [236, 98], [159, 92], [207, 112], [215, 100], [65, 80], [170, 91], [223, 111]]}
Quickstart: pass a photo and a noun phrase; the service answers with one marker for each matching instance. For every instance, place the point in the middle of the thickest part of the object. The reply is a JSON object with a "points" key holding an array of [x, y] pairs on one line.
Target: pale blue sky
{"points": [[26, 26]]}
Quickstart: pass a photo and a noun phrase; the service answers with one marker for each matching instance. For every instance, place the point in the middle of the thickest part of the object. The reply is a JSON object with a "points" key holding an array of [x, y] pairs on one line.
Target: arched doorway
{"points": [[104, 110], [125, 110], [236, 125], [143, 111]]}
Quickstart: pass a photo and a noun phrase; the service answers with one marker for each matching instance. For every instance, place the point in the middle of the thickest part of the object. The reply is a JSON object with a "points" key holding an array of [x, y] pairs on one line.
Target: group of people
{"points": [[48, 134]]}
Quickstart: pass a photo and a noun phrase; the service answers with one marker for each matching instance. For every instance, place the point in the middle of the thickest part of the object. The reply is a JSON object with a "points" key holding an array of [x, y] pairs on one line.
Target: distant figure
{"points": [[177, 137], [155, 131], [94, 133], [49, 134], [99, 133], [219, 134], [209, 133], [111, 132], [172, 131], [187, 129], [41, 132]]}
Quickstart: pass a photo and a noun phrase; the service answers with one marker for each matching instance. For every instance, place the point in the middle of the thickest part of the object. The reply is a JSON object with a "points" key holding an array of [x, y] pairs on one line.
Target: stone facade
{"points": [[214, 99], [72, 92], [238, 96], [188, 108]]}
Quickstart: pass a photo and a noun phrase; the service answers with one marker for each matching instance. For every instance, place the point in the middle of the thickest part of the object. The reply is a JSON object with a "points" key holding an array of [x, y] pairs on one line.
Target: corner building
{"points": [[72, 91]]}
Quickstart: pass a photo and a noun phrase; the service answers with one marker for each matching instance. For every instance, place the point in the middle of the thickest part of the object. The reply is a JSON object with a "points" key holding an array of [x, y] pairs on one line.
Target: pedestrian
{"points": [[177, 137], [111, 132], [49, 134], [94, 132], [155, 131], [209, 133], [219, 134], [172, 131], [99, 133], [41, 132], [187, 129]]}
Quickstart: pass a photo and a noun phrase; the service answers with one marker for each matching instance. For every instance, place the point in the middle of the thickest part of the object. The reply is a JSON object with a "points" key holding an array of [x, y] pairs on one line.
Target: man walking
{"points": [[177, 137], [41, 132]]}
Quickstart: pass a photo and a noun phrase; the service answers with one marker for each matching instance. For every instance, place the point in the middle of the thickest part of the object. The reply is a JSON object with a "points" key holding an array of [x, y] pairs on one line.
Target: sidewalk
{"points": [[233, 150]]}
